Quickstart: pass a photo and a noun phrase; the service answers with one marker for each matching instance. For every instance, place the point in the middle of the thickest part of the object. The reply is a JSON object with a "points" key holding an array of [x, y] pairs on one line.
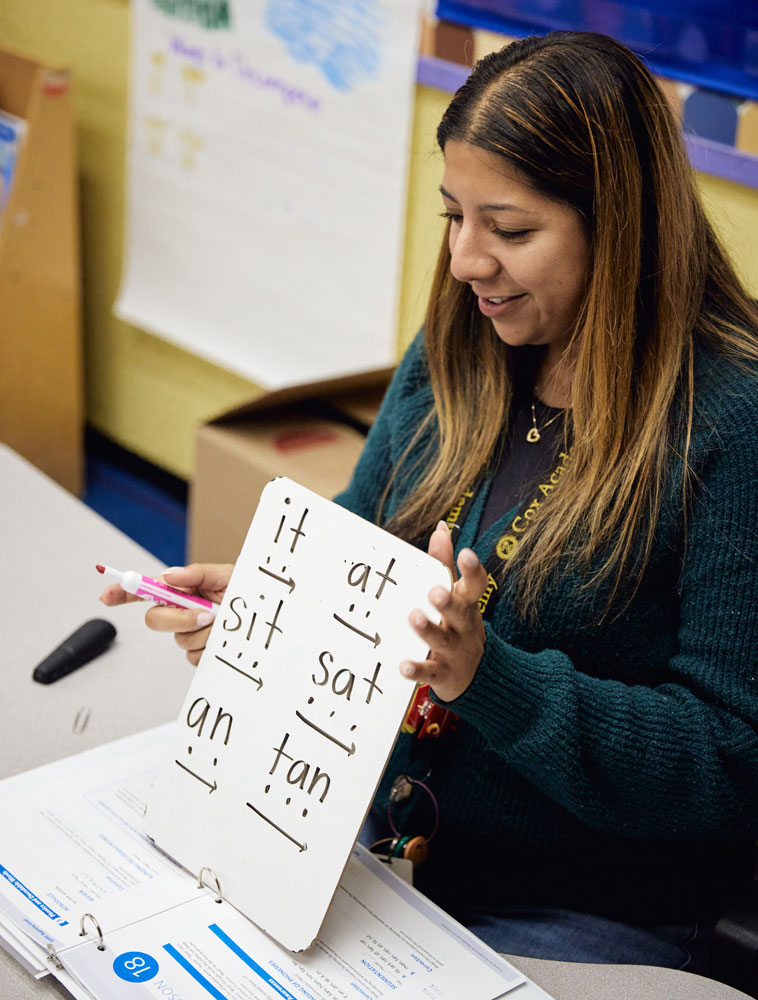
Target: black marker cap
{"points": [[89, 640]]}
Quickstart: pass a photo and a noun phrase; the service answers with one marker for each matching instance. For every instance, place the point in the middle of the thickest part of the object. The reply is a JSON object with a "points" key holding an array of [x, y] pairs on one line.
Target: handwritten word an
{"points": [[198, 713]]}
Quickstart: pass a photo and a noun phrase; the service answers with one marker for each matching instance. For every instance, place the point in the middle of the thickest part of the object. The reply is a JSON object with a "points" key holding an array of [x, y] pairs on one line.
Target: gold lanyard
{"points": [[507, 544]]}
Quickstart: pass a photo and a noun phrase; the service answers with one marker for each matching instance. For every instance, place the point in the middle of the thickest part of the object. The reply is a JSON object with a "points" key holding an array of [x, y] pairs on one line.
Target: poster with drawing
{"points": [[294, 709], [266, 182]]}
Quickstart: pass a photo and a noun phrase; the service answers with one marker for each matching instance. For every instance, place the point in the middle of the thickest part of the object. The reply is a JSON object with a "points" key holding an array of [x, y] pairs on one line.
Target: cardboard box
{"points": [[313, 434]]}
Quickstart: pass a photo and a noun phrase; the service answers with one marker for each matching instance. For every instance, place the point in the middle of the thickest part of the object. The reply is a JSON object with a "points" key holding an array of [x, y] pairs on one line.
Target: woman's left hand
{"points": [[455, 645]]}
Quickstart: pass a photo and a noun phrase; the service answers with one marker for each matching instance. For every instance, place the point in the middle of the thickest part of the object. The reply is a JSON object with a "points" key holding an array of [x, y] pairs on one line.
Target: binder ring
{"points": [[52, 957], [216, 884], [83, 933]]}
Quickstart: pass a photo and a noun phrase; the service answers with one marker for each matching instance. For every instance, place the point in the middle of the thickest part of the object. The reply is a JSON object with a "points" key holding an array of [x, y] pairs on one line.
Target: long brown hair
{"points": [[583, 121]]}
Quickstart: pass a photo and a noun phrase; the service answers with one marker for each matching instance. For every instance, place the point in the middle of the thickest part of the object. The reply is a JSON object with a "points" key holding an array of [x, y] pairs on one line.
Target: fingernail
{"points": [[439, 597], [205, 618], [407, 669], [442, 524], [170, 570]]}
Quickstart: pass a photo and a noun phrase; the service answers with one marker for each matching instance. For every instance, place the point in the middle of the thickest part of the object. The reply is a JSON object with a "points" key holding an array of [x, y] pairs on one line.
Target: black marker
{"points": [[89, 640]]}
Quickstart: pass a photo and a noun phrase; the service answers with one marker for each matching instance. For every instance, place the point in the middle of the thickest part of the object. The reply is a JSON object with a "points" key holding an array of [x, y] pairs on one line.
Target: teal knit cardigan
{"points": [[608, 767]]}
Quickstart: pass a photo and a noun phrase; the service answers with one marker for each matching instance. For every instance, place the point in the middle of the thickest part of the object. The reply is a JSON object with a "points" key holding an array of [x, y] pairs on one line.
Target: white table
{"points": [[50, 543]]}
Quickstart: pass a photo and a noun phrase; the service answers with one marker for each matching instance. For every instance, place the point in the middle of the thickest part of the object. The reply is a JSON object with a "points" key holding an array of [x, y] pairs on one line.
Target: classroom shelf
{"points": [[41, 394]]}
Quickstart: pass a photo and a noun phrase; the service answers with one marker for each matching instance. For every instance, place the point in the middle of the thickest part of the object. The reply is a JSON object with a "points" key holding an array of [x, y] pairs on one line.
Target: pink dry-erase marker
{"points": [[153, 590]]}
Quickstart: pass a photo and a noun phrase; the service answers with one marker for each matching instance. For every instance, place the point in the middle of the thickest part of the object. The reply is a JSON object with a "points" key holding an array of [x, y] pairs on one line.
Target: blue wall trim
{"points": [[700, 41]]}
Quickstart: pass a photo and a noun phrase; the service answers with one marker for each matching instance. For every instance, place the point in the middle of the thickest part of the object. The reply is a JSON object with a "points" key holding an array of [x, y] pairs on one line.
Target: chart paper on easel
{"points": [[266, 181], [294, 709]]}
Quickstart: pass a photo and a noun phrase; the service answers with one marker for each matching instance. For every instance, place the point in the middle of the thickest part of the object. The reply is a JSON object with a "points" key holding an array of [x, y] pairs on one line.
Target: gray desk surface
{"points": [[50, 544]]}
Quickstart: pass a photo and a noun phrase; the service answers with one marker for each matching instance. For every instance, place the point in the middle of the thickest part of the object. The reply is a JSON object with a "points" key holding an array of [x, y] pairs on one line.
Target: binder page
{"points": [[381, 939], [71, 843], [294, 709], [25, 952]]}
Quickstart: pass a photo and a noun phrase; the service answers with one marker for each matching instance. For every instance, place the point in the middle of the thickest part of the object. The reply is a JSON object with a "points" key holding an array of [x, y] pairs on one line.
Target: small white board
{"points": [[294, 710]]}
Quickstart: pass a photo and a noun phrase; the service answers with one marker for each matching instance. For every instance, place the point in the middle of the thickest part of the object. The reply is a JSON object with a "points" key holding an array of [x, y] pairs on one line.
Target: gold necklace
{"points": [[533, 434]]}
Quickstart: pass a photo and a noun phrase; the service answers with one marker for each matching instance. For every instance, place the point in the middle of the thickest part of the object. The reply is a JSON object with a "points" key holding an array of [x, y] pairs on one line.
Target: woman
{"points": [[580, 412]]}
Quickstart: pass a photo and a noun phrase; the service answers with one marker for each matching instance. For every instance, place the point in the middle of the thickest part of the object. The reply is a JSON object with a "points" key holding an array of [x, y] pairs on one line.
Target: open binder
{"points": [[90, 920], [380, 937], [114, 864]]}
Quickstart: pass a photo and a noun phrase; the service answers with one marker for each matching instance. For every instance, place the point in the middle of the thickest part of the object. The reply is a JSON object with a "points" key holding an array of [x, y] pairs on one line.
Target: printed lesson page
{"points": [[381, 939], [71, 843]]}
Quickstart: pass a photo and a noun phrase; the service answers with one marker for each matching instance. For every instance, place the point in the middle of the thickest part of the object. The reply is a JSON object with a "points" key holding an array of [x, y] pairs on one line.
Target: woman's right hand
{"points": [[191, 628]]}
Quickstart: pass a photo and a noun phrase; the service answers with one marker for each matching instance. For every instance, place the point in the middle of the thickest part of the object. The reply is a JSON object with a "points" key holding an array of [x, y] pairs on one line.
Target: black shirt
{"points": [[523, 464]]}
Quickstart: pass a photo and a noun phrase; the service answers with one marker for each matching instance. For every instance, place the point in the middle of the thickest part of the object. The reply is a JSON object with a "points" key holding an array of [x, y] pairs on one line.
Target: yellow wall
{"points": [[143, 392], [733, 210]]}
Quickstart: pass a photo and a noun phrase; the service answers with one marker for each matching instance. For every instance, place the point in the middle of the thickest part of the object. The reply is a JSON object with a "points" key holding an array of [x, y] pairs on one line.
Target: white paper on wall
{"points": [[294, 709], [266, 180]]}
